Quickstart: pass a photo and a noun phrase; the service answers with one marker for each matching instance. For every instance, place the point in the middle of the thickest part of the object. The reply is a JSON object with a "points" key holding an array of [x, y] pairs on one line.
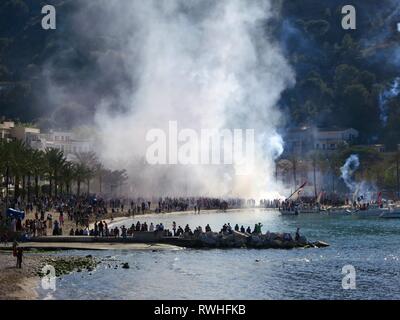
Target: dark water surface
{"points": [[370, 245]]}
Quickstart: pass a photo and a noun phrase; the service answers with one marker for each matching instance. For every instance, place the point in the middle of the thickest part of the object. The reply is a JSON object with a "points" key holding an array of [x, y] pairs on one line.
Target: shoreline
{"points": [[172, 213], [23, 284], [19, 284]]}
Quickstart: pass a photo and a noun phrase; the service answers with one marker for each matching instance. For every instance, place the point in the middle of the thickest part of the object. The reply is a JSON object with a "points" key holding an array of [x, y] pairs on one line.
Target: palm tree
{"points": [[55, 162], [116, 179], [100, 172], [89, 161], [15, 164], [81, 173], [67, 175], [39, 168]]}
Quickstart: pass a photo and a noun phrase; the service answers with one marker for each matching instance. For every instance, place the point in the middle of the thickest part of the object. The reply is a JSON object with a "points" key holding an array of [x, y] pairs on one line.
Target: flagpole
{"points": [[302, 186]]}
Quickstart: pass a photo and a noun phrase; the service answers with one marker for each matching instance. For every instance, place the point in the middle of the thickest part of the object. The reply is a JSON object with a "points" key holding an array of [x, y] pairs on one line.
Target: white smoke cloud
{"points": [[350, 167], [205, 64], [364, 190]]}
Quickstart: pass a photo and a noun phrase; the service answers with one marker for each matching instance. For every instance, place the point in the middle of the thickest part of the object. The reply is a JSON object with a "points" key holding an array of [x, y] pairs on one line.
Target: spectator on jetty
{"points": [[297, 236], [123, 232], [179, 232], [174, 227]]}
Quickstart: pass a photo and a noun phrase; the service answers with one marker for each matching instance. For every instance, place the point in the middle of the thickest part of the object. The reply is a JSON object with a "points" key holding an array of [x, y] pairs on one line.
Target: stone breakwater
{"points": [[155, 240], [266, 241]]}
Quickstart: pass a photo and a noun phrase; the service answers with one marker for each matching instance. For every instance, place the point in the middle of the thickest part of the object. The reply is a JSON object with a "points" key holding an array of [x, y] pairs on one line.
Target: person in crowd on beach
{"points": [[61, 218], [242, 229], [248, 230], [101, 229], [96, 229], [138, 226], [72, 233], [208, 228], [236, 227], [56, 229], [151, 229]]}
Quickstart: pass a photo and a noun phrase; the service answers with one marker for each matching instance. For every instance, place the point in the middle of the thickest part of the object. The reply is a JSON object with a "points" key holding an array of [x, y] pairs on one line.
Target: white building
{"points": [[65, 141], [5, 130], [306, 139]]}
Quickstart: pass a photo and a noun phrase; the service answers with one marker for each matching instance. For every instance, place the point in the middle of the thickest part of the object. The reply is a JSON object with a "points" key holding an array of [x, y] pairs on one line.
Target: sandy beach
{"points": [[19, 284]]}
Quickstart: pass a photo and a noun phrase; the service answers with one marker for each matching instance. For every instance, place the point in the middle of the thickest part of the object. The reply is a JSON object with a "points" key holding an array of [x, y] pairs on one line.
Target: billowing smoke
{"points": [[364, 190], [202, 64], [350, 167], [389, 93]]}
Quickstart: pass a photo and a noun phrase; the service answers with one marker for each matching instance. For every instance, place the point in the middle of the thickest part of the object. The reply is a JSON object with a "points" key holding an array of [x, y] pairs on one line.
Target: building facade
{"points": [[303, 140], [5, 130], [65, 141]]}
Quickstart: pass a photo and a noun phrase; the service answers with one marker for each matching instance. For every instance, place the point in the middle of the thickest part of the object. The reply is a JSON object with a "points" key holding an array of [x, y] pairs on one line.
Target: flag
{"points": [[295, 195], [320, 196], [380, 198]]}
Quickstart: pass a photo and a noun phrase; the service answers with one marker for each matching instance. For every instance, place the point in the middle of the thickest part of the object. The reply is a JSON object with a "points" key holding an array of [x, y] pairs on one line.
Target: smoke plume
{"points": [[350, 167], [204, 64]]}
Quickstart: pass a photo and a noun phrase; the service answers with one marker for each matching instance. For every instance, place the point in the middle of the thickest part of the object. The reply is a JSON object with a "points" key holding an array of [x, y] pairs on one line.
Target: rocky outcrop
{"points": [[259, 241]]}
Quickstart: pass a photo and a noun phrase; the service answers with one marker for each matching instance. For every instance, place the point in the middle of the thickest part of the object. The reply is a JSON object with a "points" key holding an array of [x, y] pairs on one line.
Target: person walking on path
{"points": [[20, 253]]}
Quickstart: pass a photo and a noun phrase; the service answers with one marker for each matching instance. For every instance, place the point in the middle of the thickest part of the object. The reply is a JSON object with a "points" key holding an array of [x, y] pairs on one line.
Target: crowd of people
{"points": [[47, 216], [102, 229]]}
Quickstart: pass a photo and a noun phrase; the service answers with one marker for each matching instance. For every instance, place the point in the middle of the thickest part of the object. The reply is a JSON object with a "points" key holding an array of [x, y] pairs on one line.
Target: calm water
{"points": [[370, 245]]}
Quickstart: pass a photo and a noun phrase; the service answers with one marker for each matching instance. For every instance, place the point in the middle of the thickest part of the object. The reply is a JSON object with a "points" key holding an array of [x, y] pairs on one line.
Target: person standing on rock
{"points": [[297, 236]]}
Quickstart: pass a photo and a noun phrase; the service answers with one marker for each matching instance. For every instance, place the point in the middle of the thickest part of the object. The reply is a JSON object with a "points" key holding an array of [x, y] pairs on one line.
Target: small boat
{"points": [[371, 212], [310, 210], [291, 212], [391, 214]]}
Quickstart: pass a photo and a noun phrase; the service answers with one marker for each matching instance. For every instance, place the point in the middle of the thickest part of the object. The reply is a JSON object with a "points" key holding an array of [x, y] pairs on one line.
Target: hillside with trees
{"points": [[344, 78]]}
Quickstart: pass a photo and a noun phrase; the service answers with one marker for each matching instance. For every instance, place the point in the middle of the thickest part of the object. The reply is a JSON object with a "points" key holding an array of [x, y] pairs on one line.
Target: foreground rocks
{"points": [[64, 266]]}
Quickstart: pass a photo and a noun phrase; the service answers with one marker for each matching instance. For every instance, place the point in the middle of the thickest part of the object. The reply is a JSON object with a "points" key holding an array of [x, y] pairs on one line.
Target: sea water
{"points": [[370, 245]]}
